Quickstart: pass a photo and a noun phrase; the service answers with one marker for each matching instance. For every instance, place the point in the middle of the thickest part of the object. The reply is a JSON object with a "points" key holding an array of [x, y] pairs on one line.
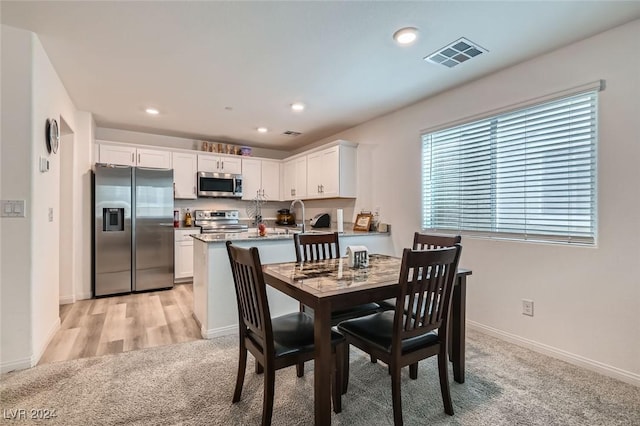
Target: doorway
{"points": [[66, 231]]}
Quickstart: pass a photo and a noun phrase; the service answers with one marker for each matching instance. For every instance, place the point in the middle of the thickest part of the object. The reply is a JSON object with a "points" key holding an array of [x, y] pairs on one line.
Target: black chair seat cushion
{"points": [[354, 312], [377, 330], [293, 333]]}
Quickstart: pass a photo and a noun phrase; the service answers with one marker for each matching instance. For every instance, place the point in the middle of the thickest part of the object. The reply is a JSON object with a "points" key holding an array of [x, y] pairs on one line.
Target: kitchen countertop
{"points": [[283, 233]]}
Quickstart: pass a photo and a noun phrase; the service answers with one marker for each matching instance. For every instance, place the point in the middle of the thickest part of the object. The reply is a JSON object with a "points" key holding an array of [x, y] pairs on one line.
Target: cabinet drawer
{"points": [[185, 234]]}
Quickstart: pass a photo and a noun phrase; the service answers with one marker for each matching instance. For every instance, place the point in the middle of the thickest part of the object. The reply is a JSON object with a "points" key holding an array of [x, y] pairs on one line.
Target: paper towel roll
{"points": [[339, 220]]}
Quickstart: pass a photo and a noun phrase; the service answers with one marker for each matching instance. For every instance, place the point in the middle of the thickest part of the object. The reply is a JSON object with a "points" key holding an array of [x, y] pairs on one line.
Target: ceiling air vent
{"points": [[291, 133], [456, 53]]}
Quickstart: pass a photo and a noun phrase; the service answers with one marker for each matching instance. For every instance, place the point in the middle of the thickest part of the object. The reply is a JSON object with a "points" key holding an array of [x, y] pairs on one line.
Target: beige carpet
{"points": [[192, 384]]}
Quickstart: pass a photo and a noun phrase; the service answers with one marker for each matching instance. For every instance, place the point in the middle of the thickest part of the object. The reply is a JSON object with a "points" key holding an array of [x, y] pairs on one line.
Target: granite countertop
{"points": [[279, 233]]}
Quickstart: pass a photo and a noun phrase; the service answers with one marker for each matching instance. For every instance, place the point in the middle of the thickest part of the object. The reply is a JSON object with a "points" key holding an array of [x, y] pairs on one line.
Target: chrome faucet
{"points": [[302, 204]]}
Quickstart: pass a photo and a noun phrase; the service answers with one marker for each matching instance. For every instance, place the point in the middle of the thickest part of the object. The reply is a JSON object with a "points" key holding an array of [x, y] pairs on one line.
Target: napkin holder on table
{"points": [[358, 256]]}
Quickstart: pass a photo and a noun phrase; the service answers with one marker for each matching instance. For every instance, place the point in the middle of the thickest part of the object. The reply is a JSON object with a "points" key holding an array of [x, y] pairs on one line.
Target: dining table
{"points": [[331, 284]]}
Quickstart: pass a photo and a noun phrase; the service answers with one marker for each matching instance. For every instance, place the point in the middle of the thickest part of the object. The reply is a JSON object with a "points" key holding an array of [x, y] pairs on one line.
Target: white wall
{"points": [[15, 263], [31, 93], [83, 155], [50, 100], [587, 299]]}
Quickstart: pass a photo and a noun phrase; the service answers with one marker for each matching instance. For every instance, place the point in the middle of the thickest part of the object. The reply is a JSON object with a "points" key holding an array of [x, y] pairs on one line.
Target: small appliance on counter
{"points": [[285, 217], [321, 220]]}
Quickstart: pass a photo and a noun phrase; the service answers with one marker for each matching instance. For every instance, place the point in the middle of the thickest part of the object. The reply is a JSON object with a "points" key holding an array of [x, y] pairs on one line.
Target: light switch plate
{"points": [[12, 208]]}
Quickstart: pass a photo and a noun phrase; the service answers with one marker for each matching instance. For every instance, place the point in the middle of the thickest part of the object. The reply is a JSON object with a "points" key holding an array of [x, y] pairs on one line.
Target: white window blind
{"points": [[526, 174]]}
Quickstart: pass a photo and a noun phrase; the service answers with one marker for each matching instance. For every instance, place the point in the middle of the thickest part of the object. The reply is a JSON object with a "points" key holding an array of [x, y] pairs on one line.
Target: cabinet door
{"points": [[183, 262], [251, 178], [300, 178], [208, 163], [288, 180], [330, 183], [153, 158], [117, 154], [185, 167], [230, 165], [323, 169], [271, 180]]}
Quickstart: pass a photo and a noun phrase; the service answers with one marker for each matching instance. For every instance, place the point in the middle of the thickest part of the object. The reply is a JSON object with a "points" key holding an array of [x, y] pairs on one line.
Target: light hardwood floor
{"points": [[123, 323]]}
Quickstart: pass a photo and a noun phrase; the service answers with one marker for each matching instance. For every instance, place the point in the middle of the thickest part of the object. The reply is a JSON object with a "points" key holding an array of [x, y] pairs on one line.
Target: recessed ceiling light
{"points": [[262, 130], [406, 35], [298, 106], [152, 111]]}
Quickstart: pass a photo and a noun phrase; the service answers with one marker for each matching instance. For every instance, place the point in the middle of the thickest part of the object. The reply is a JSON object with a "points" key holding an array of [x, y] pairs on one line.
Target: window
{"points": [[528, 174]]}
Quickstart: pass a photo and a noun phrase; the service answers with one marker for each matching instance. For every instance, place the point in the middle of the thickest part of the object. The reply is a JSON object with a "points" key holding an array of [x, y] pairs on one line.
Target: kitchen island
{"points": [[213, 292]]}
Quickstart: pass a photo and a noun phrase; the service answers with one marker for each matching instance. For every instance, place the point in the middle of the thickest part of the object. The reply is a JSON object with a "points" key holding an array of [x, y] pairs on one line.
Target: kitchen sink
{"points": [[275, 231], [284, 231]]}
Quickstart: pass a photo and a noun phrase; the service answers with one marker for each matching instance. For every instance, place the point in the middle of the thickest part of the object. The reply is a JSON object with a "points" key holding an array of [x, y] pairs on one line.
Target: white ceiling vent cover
{"points": [[456, 53], [291, 133]]}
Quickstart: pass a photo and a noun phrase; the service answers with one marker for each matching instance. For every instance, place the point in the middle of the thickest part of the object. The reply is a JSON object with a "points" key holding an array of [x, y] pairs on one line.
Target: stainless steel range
{"points": [[220, 221]]}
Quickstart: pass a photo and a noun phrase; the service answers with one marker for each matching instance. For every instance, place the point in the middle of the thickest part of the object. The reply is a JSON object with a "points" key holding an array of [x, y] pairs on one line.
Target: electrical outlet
{"points": [[50, 214], [527, 307]]}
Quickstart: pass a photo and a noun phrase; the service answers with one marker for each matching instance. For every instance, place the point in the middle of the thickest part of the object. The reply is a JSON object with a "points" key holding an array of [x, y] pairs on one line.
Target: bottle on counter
{"points": [[187, 219], [176, 218]]}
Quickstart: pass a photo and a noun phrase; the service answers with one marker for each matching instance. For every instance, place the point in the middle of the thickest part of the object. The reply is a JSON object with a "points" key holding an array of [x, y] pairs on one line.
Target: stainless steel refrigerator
{"points": [[133, 229]]}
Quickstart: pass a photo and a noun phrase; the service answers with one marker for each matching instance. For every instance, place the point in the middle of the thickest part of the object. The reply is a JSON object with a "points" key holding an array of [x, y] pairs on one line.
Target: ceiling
{"points": [[218, 70]]}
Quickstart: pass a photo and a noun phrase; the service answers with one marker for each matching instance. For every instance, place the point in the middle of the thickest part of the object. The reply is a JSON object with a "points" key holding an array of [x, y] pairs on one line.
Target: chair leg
{"points": [[396, 395], [269, 384], [259, 368], [443, 362], [336, 378], [300, 369], [345, 368], [413, 371], [242, 366], [373, 359]]}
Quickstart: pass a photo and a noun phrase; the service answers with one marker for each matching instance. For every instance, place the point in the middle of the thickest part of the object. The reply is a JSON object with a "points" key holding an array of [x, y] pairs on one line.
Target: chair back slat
{"points": [[310, 247], [434, 241], [426, 283], [251, 293]]}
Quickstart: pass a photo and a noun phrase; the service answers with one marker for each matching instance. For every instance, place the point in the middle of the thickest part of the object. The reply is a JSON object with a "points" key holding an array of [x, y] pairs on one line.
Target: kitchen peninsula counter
{"points": [[213, 290]]}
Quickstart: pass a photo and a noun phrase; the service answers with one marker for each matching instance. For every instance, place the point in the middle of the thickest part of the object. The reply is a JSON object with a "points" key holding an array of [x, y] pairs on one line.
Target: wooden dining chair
{"points": [[313, 247], [425, 242], [426, 280], [275, 343]]}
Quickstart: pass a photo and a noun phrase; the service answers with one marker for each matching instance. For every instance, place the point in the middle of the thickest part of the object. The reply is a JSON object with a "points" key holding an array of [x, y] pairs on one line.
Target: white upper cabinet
{"points": [[185, 167], [260, 178], [331, 172], [124, 155], [295, 179], [117, 154], [153, 158], [219, 164]]}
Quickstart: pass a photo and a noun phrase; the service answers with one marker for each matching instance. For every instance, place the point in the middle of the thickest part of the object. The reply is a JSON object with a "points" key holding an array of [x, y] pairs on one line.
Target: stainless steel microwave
{"points": [[219, 185]]}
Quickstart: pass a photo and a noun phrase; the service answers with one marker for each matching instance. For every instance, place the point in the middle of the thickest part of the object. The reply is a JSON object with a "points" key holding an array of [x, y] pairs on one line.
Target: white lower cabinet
{"points": [[183, 255]]}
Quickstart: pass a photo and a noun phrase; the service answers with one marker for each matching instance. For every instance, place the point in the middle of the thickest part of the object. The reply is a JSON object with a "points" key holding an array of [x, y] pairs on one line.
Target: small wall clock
{"points": [[52, 134]]}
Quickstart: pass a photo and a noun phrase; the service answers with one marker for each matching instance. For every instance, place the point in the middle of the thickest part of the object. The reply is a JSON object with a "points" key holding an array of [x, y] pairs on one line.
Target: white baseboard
{"points": [[18, 364], [580, 361], [219, 332], [84, 296], [40, 351], [22, 363], [66, 300]]}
